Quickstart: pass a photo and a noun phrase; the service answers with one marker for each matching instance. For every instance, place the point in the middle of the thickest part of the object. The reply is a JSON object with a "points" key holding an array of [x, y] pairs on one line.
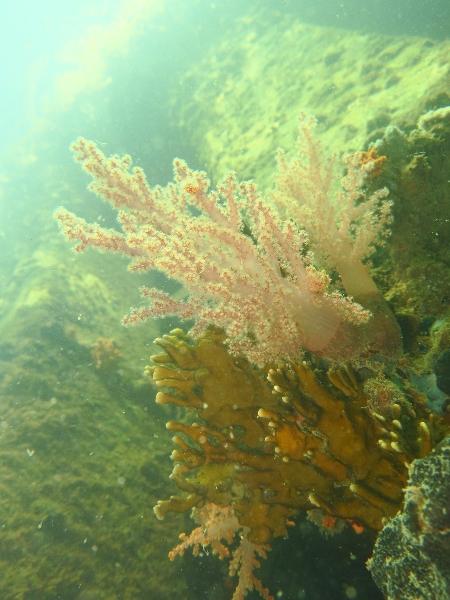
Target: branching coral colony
{"points": [[285, 311]]}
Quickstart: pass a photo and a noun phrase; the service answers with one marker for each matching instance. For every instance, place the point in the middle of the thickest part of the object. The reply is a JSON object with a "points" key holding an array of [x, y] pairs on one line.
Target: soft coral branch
{"points": [[218, 528], [343, 222]]}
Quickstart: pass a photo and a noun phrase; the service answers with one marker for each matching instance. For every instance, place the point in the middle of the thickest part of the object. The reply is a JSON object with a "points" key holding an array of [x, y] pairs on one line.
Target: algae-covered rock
{"points": [[410, 559], [416, 172], [81, 458], [241, 101]]}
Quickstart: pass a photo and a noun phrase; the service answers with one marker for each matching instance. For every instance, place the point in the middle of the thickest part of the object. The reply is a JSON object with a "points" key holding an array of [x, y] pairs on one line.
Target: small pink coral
{"points": [[218, 527]]}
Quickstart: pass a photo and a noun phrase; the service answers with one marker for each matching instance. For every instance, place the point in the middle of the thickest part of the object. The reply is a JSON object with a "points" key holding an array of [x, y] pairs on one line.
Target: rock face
{"points": [[410, 559], [242, 100], [80, 460]]}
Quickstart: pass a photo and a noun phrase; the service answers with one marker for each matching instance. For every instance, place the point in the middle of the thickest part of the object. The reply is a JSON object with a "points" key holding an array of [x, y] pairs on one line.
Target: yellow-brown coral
{"points": [[371, 160], [293, 441]]}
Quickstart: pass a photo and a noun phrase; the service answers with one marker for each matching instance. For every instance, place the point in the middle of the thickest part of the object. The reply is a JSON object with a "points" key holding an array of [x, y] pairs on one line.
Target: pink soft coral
{"points": [[218, 528], [245, 262]]}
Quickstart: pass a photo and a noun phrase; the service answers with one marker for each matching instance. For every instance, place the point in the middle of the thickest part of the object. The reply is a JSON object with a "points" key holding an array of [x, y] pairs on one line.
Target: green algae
{"points": [[241, 101], [82, 461]]}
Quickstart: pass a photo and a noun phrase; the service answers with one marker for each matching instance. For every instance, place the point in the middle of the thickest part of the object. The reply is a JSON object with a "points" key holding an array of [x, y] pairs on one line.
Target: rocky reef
{"points": [[410, 558]]}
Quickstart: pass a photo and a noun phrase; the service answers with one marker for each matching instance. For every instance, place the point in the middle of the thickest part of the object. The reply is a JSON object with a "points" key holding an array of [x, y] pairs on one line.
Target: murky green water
{"points": [[84, 452]]}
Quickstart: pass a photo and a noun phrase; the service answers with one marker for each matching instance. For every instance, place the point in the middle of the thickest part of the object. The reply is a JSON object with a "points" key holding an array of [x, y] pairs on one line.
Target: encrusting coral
{"points": [[299, 440]]}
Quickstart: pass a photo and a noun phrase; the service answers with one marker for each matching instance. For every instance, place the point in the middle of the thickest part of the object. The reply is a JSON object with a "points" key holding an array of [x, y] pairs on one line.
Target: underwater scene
{"points": [[225, 300]]}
